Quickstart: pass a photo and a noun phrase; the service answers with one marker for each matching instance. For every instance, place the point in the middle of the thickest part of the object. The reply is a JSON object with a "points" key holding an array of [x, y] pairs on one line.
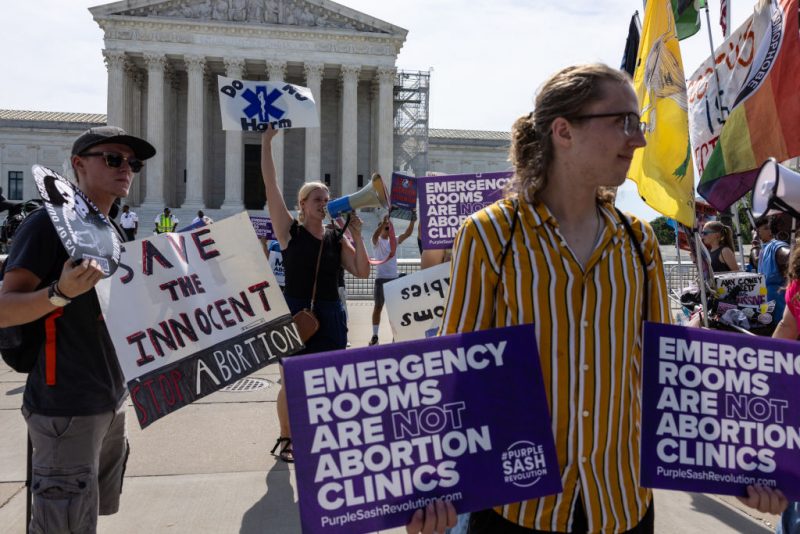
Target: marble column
{"points": [[115, 105], [195, 148], [314, 72], [349, 137], [133, 119], [385, 139], [154, 177], [234, 157], [277, 73]]}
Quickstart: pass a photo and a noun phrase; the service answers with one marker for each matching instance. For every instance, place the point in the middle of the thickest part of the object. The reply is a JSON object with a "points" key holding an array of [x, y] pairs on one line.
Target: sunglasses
{"points": [[115, 160], [708, 232], [631, 122]]}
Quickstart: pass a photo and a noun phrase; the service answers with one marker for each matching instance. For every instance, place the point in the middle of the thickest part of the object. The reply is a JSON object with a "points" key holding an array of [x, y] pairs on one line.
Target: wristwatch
{"points": [[56, 297]]}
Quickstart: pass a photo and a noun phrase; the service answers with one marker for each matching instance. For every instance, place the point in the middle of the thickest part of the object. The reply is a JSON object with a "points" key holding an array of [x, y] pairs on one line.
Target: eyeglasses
{"points": [[709, 232], [631, 122], [115, 160]]}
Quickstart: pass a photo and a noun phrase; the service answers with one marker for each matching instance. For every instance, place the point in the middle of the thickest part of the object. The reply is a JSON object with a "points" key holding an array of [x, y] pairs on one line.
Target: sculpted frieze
{"points": [[287, 12]]}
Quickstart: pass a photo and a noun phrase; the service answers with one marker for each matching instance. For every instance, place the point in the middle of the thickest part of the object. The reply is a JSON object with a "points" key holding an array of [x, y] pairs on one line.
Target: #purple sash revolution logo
{"points": [[719, 411], [380, 432]]}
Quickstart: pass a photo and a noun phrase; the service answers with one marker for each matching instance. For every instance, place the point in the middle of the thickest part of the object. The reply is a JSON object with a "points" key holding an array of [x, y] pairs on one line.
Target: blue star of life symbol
{"points": [[262, 104]]}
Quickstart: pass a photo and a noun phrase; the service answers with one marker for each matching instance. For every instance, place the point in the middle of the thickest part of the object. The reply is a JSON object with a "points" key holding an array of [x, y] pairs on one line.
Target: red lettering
{"points": [[137, 338], [202, 244], [260, 289]]}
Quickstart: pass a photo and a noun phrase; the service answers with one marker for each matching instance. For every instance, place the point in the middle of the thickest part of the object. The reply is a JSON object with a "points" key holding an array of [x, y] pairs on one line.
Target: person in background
{"points": [[755, 252], [129, 222], [202, 218], [386, 271], [303, 241], [718, 239], [275, 257], [772, 263], [165, 222]]}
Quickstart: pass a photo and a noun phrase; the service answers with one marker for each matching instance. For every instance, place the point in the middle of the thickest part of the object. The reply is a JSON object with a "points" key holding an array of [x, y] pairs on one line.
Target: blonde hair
{"points": [[565, 94], [304, 192]]}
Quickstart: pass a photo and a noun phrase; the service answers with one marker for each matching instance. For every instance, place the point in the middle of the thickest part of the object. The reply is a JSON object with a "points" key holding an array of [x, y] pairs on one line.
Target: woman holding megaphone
{"points": [[312, 257]]}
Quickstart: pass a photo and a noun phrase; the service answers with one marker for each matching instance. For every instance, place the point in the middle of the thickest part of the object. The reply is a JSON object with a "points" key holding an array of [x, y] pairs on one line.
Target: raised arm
{"points": [[377, 231], [410, 230], [278, 212]]}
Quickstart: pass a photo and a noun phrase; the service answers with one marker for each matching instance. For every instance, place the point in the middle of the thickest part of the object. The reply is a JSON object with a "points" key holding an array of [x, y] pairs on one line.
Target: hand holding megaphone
{"points": [[372, 195]]}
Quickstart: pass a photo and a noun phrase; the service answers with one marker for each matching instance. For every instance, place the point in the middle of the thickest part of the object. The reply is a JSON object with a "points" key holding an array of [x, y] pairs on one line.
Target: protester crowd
{"points": [[557, 222]]}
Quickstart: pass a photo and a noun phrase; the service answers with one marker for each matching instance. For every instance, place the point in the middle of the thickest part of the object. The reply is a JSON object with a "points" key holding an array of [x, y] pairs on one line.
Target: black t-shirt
{"points": [[300, 261], [88, 378]]}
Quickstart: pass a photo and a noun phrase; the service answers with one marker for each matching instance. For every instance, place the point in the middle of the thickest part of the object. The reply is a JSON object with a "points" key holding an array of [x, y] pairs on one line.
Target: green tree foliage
{"points": [[664, 232]]}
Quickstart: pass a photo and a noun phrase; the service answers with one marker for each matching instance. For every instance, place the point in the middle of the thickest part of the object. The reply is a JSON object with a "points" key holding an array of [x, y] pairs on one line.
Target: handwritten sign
{"points": [[253, 106], [445, 201], [710, 102], [191, 313], [415, 303], [720, 411], [381, 431]]}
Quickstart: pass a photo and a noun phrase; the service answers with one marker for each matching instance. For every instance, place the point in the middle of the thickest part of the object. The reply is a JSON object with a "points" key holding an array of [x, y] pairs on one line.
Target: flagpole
{"points": [[736, 208], [701, 280]]}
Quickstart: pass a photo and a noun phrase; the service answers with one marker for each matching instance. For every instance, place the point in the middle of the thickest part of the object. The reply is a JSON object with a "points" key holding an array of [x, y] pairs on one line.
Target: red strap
{"points": [[50, 346]]}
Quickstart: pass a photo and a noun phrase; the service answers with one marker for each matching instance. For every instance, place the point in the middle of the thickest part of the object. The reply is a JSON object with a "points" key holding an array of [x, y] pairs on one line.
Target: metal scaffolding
{"points": [[411, 98]]}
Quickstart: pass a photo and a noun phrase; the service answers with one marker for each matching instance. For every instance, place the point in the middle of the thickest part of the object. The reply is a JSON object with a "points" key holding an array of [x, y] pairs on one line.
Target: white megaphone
{"points": [[777, 188], [372, 195]]}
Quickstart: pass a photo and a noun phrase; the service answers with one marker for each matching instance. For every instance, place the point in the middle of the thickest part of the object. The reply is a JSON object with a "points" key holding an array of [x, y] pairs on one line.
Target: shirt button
{"points": [[583, 459], [585, 367], [563, 243], [585, 413], [586, 324]]}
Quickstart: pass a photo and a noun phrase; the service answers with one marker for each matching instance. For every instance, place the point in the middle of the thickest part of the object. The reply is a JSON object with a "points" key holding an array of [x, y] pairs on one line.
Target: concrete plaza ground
{"points": [[206, 468]]}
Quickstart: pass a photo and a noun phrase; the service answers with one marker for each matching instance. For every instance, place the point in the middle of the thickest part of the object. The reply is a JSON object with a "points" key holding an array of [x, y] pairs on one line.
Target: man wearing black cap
{"points": [[74, 396]]}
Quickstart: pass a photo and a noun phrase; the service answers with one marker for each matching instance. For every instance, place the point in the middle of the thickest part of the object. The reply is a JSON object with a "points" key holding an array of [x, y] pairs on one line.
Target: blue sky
{"points": [[498, 50]]}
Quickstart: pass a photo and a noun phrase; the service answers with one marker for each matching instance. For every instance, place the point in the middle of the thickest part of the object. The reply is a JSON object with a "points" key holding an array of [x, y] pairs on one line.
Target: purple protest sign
{"points": [[404, 196], [719, 411], [445, 201], [263, 227], [379, 432]]}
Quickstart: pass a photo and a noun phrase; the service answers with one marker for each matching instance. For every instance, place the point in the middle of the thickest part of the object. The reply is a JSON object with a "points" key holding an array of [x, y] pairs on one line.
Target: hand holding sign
{"points": [[77, 279]]}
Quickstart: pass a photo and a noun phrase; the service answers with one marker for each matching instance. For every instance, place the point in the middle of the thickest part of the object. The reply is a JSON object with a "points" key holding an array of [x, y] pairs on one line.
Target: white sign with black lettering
{"points": [[415, 303]]}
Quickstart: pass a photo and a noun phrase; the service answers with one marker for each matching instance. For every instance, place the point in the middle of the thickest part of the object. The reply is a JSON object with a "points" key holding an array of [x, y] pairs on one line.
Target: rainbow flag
{"points": [[765, 120], [663, 169]]}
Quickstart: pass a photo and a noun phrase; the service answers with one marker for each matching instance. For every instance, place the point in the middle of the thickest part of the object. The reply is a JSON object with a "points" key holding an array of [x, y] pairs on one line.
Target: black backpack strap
{"points": [[506, 248], [638, 247]]}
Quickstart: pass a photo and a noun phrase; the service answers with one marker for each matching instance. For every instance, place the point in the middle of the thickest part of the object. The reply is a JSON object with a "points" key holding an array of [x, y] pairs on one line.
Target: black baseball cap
{"points": [[112, 134]]}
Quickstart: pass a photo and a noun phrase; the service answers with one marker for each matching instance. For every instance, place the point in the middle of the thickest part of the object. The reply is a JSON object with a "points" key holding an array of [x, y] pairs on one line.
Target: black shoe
{"points": [[373, 341]]}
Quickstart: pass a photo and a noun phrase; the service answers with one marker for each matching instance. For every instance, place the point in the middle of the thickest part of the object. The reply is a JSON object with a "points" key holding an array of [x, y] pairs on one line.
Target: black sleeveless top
{"points": [[717, 264], [300, 261]]}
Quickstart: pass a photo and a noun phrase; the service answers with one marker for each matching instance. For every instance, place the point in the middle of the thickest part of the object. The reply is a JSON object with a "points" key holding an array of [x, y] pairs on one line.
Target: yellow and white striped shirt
{"points": [[588, 326]]}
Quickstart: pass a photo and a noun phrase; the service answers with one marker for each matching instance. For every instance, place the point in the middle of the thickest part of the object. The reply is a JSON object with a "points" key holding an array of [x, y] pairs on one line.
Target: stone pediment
{"points": [[315, 14]]}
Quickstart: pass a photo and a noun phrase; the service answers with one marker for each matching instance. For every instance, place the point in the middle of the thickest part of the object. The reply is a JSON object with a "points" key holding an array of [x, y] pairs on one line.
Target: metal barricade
{"points": [[362, 288]]}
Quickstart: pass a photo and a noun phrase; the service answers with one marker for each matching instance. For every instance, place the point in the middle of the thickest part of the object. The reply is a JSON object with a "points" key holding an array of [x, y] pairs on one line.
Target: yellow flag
{"points": [[663, 169]]}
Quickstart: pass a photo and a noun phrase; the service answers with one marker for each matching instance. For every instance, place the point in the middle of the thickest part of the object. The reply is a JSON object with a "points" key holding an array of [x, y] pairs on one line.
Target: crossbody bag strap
{"points": [[637, 246], [316, 273], [506, 248]]}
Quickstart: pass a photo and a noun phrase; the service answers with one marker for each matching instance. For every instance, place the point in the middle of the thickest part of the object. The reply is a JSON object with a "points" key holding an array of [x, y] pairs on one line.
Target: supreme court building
{"points": [[163, 58]]}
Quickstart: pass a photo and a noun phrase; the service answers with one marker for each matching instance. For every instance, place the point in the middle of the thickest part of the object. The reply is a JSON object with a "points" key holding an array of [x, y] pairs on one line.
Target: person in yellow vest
{"points": [[166, 222]]}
